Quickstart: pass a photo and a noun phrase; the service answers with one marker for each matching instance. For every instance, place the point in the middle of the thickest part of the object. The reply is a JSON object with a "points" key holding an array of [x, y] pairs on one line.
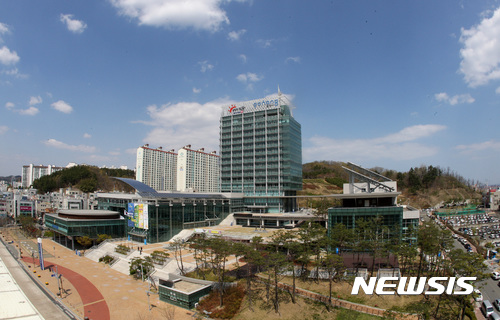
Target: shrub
{"points": [[122, 249], [159, 257], [107, 259]]}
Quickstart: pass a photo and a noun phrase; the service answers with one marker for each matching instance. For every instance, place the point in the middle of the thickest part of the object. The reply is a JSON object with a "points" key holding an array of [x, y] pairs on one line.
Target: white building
{"points": [[197, 170], [156, 168], [32, 172], [187, 170], [495, 199]]}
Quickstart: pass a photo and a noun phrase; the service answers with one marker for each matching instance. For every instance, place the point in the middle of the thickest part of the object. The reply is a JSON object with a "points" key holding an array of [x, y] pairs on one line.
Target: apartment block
{"points": [[32, 172], [156, 168], [197, 170]]}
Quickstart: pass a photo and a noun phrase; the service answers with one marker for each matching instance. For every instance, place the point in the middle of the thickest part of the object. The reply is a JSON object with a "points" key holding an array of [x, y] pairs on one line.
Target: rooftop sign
{"points": [[272, 102]]}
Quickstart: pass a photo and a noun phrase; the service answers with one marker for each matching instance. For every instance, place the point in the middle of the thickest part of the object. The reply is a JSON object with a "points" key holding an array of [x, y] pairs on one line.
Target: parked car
{"points": [[496, 303], [495, 275], [486, 308], [478, 296], [494, 316]]}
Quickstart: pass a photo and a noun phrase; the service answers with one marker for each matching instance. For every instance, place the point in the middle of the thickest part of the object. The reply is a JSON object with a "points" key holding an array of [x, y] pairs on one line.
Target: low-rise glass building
{"points": [[158, 216], [69, 224], [373, 197]]}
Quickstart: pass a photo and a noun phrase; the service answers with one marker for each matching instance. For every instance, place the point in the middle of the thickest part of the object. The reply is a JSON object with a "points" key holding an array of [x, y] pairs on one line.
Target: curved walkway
{"points": [[92, 299]]}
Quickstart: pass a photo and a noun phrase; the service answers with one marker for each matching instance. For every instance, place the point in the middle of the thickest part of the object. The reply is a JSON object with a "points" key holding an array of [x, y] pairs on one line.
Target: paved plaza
{"points": [[90, 289]]}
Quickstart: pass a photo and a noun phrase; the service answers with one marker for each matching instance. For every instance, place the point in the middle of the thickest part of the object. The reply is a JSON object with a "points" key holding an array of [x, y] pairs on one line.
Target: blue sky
{"points": [[394, 84]]}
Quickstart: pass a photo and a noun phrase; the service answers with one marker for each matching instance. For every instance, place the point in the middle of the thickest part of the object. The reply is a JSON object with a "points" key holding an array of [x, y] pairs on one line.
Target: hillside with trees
{"points": [[421, 187], [86, 179]]}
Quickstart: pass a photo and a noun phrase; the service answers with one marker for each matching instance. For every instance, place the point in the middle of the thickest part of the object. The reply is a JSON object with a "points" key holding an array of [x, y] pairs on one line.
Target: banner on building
{"points": [[138, 214]]}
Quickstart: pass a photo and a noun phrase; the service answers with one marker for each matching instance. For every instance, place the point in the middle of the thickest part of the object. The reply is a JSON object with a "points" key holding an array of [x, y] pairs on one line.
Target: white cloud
{"points": [[175, 14], [397, 146], [15, 73], [9, 105], [462, 98], [205, 66], [265, 43], [8, 57], [73, 25], [196, 90], [248, 77], [243, 58], [62, 106], [235, 35], [61, 145], [175, 125], [87, 136], [481, 51], [35, 100], [292, 59], [3, 28], [31, 111], [490, 145], [3, 129]]}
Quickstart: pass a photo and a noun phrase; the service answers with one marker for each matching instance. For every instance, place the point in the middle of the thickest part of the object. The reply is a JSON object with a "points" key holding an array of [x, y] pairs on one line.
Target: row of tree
{"points": [[310, 251]]}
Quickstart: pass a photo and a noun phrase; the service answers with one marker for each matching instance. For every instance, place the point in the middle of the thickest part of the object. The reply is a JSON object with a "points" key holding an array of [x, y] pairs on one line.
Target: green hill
{"points": [[421, 187], [86, 179]]}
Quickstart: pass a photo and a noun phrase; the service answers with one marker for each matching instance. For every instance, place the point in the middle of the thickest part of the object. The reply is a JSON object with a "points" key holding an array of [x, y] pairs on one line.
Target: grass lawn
{"points": [[302, 310], [342, 290]]}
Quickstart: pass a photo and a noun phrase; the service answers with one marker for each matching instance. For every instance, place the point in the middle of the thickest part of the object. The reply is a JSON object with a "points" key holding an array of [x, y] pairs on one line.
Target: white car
{"points": [[495, 275], [496, 303], [478, 296]]}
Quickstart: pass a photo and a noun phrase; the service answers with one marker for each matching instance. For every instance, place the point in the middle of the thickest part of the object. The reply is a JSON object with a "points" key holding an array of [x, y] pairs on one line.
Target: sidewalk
{"points": [[45, 307], [93, 289]]}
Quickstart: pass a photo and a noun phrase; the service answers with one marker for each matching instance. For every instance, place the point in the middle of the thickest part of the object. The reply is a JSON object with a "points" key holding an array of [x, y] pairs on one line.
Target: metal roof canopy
{"points": [[368, 176], [367, 172], [146, 192]]}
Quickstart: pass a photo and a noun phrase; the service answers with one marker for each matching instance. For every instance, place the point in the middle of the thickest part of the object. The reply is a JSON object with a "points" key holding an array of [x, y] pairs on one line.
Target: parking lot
{"points": [[482, 227]]}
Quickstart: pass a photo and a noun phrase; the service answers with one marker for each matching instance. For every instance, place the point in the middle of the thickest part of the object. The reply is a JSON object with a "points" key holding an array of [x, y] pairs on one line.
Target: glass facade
{"points": [[168, 219], [261, 156], [391, 216], [91, 228], [167, 216]]}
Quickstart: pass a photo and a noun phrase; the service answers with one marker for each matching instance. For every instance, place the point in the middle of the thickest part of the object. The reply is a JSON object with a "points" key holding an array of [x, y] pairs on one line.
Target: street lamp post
{"points": [[157, 235]]}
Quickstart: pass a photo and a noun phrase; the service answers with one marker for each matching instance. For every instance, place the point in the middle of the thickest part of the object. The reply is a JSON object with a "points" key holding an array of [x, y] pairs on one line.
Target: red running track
{"points": [[94, 305]]}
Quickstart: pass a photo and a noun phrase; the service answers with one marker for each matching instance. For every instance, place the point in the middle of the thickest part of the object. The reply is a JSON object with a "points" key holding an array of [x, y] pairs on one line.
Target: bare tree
{"points": [[168, 312], [178, 246]]}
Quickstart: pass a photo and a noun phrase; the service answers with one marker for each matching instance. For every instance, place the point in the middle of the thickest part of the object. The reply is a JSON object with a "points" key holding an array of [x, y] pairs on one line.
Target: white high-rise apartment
{"points": [[197, 170], [156, 168], [32, 172]]}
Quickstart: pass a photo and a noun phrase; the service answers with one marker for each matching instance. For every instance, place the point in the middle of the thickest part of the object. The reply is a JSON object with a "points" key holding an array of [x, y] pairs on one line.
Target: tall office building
{"points": [[156, 168], [31, 173], [197, 170], [261, 154]]}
